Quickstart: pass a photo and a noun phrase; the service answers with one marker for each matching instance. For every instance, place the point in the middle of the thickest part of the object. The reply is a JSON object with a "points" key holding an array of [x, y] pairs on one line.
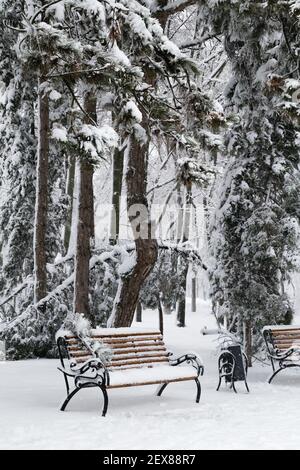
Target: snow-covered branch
{"points": [[172, 7], [17, 290], [197, 42]]}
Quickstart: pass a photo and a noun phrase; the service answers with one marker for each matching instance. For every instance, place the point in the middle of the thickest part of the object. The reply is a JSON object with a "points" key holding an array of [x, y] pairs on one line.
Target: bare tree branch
{"points": [[173, 7], [198, 41]]}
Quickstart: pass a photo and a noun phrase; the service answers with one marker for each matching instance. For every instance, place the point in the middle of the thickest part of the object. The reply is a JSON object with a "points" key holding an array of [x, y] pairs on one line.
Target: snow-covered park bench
{"points": [[136, 357], [283, 347]]}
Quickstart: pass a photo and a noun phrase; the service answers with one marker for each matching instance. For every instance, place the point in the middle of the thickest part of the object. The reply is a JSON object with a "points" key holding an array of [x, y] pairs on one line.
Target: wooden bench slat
{"points": [[126, 335], [108, 332], [286, 337], [82, 359], [287, 341], [138, 356], [132, 337], [278, 333], [72, 342], [138, 349], [287, 346], [151, 360], [123, 357], [131, 345], [73, 346], [141, 339], [79, 353], [76, 350], [151, 382]]}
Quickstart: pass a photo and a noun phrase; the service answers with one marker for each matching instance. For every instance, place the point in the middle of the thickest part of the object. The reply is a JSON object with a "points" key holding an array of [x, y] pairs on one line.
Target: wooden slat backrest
{"points": [[285, 338], [132, 349]]}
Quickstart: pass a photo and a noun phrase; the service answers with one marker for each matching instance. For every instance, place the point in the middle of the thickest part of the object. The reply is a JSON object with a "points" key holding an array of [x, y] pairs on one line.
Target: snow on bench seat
{"points": [[154, 375]]}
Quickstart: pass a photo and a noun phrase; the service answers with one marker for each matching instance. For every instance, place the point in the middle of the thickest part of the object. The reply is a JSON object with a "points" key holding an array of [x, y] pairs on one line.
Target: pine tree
{"points": [[18, 157], [255, 227]]}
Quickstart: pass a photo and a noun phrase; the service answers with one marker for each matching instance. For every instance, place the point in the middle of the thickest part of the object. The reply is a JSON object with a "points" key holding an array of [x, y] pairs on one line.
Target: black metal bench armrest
{"points": [[91, 365], [94, 363], [281, 356], [67, 372], [92, 370], [192, 359]]}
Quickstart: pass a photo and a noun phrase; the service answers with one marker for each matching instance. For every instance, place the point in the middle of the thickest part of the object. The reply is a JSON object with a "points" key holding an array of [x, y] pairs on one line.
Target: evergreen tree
{"points": [[18, 160], [255, 227]]}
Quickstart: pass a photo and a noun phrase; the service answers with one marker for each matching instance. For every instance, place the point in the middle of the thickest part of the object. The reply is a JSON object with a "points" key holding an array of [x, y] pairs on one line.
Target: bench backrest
{"points": [[131, 347], [282, 337]]}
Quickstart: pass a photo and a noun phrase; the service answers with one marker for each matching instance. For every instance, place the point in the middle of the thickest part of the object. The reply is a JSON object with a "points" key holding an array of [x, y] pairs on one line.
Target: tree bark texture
{"points": [[139, 311], [70, 194], [85, 227], [160, 317], [146, 247], [248, 341], [40, 225], [194, 294], [184, 265], [118, 162]]}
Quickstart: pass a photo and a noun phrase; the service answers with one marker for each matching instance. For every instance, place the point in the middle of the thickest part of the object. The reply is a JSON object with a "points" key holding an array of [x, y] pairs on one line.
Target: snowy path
{"points": [[269, 417]]}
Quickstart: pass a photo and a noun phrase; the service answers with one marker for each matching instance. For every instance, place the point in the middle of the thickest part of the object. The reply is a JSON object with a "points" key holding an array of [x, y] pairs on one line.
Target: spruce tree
{"points": [[255, 227]]}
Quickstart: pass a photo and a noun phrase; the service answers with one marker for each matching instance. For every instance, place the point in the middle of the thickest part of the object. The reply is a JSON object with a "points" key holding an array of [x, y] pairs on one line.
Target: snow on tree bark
{"points": [[40, 224], [85, 227]]}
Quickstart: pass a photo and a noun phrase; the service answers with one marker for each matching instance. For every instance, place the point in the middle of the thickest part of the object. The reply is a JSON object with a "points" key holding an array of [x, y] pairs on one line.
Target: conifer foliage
{"points": [[84, 83], [255, 232]]}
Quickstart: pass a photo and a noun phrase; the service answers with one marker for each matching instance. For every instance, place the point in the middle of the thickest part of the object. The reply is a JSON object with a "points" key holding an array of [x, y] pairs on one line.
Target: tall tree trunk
{"points": [[85, 227], [70, 194], [248, 341], [167, 309], [160, 316], [118, 162], [181, 310], [194, 294], [180, 219], [139, 311], [40, 224], [146, 247]]}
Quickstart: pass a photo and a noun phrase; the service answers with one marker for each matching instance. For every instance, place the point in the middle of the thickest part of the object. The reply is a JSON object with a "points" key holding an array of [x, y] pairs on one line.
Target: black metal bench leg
{"points": [[233, 386], [246, 385], [67, 384], [105, 397], [274, 374], [219, 384], [69, 397], [161, 389], [282, 368], [198, 390]]}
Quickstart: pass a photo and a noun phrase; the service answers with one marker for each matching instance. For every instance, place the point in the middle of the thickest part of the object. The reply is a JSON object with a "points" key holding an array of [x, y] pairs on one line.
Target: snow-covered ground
{"points": [[267, 418]]}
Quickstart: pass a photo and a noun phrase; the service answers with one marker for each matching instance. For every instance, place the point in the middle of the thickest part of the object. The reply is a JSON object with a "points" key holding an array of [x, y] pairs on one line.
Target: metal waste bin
{"points": [[233, 366]]}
